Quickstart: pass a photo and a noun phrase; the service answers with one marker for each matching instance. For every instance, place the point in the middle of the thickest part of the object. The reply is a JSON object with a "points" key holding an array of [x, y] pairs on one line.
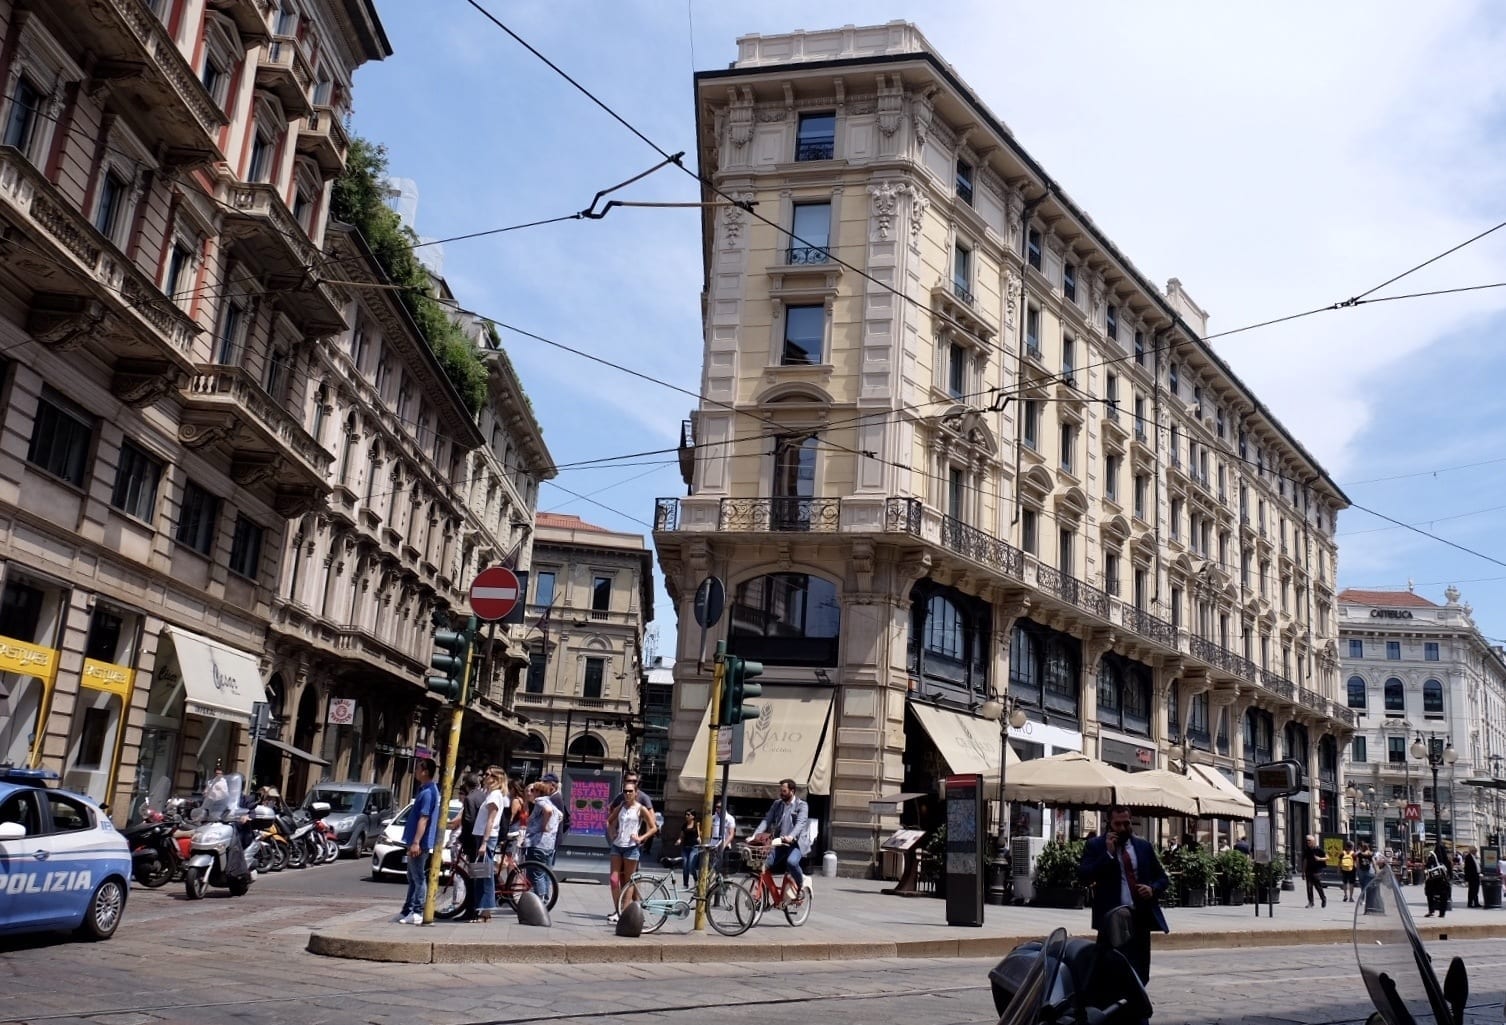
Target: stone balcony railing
{"points": [[29, 201], [323, 137], [284, 71], [910, 516], [231, 389]]}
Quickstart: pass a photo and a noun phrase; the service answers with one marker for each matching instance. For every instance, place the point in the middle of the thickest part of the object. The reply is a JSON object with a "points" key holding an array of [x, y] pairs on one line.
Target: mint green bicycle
{"points": [[729, 906]]}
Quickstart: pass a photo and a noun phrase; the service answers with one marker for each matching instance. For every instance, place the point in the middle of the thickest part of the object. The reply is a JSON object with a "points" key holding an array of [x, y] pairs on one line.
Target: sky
{"points": [[1275, 158]]}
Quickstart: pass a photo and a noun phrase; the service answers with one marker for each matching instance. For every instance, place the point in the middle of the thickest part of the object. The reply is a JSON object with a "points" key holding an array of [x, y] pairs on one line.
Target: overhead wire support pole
{"points": [[452, 753], [703, 877]]}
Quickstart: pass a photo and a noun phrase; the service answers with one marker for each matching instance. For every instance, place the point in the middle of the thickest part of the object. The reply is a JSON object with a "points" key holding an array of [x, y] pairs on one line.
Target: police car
{"points": [[63, 865]]}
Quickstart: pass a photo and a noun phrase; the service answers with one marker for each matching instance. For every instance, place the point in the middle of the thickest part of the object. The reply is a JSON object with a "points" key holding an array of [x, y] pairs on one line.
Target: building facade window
{"points": [[962, 272], [794, 483], [1357, 750], [1356, 692], [538, 670], [1356, 649], [25, 112], [1044, 669], [1396, 696], [197, 516], [543, 589], [1432, 699], [1033, 331], [1033, 248], [965, 182], [956, 375], [812, 231], [136, 477], [1031, 428], [601, 594], [60, 438], [1396, 750], [816, 137], [245, 547], [804, 331], [113, 192], [1069, 282], [1393, 651], [1430, 651], [1068, 447], [592, 682], [786, 619]]}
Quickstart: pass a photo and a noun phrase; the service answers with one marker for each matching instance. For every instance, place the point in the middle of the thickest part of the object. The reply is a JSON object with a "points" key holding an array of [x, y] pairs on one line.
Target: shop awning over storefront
{"points": [[296, 752], [1224, 799], [219, 682], [789, 740], [967, 743]]}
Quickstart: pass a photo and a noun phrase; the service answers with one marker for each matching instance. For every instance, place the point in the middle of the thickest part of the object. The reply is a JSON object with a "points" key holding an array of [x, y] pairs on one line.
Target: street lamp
{"points": [[1372, 803], [1437, 753], [1009, 715]]}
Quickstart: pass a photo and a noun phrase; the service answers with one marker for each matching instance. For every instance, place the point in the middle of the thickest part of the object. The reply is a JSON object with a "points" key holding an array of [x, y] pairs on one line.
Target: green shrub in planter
{"points": [[1197, 874], [1056, 882], [1236, 875]]}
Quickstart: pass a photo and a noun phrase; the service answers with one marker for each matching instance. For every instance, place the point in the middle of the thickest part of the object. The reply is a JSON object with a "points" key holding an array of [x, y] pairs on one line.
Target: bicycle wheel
{"points": [[449, 899], [797, 903], [760, 895], [518, 883], [729, 908], [653, 895]]}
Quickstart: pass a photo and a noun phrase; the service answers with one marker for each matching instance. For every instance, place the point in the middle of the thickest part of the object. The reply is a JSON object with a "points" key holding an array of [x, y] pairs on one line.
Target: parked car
{"points": [[358, 812], [63, 865], [389, 859]]}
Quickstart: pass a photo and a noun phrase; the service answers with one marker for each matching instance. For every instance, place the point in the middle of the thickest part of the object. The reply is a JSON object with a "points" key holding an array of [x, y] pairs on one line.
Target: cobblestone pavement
{"points": [[242, 961]]}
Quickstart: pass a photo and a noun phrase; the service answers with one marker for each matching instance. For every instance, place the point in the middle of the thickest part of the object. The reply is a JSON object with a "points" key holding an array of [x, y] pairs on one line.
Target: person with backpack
{"points": [[1347, 868]]}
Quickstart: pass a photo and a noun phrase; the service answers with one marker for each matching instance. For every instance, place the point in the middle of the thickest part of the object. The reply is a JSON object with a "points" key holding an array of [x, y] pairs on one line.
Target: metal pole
{"points": [[452, 754], [704, 876]]}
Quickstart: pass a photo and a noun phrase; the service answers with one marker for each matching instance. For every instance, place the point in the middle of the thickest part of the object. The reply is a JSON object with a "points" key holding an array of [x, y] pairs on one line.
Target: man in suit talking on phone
{"points": [[1125, 872]]}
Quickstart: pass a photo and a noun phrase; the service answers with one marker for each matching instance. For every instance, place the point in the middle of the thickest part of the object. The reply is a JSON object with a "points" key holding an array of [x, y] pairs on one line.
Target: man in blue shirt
{"points": [[419, 831]]}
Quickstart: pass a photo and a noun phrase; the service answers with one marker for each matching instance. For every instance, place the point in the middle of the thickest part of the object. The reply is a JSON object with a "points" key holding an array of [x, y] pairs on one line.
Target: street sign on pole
{"points": [[710, 598], [1413, 813], [495, 593]]}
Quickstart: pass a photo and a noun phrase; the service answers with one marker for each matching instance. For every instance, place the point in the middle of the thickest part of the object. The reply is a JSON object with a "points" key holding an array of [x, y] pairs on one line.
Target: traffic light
{"points": [[737, 688], [451, 647]]}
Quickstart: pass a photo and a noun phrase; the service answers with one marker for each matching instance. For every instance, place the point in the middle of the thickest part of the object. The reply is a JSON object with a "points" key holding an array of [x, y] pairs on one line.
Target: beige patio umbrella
{"points": [[1175, 783], [1218, 798], [1074, 779]]}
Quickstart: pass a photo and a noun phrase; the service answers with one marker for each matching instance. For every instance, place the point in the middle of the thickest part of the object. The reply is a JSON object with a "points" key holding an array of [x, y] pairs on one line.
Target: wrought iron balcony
{"points": [[799, 255], [1069, 589], [323, 137], [133, 52], [1150, 626], [961, 291], [284, 71], [815, 149], [980, 546]]}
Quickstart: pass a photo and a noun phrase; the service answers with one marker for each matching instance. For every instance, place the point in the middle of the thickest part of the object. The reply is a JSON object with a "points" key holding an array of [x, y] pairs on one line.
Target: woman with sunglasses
{"points": [[488, 825], [629, 826]]}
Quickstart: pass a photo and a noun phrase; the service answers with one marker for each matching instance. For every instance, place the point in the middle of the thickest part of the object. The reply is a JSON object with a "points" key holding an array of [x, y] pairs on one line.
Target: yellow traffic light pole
{"points": [[703, 878], [452, 754]]}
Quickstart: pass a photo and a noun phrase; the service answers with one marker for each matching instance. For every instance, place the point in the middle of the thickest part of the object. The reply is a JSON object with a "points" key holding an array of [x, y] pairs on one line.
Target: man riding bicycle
{"points": [[787, 820]]}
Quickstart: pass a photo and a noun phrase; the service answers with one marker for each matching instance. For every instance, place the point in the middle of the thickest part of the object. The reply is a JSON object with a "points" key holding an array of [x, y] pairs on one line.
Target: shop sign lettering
{"points": [[26, 659]]}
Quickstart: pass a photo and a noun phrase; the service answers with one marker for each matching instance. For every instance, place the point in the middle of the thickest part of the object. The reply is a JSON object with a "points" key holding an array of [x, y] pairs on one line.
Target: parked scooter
{"points": [[156, 858], [324, 847], [217, 857]]}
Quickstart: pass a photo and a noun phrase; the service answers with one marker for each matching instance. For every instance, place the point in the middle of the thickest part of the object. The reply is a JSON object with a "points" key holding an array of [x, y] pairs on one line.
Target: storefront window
{"points": [[1051, 661], [786, 619], [949, 638]]}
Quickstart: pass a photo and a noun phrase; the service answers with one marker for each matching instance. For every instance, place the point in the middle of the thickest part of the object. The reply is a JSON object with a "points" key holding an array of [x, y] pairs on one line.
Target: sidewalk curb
{"points": [[646, 951]]}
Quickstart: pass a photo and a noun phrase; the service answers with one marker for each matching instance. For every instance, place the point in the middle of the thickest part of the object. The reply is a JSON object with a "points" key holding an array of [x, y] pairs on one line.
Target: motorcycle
{"points": [[217, 857], [156, 858], [1062, 981], [323, 839]]}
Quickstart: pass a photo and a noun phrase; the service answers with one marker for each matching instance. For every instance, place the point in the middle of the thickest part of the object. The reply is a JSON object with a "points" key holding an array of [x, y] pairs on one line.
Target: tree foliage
{"points": [[360, 200]]}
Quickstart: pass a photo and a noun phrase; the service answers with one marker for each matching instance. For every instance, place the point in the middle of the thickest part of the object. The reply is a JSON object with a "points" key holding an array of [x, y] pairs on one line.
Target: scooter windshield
{"points": [[1039, 985], [1397, 970]]}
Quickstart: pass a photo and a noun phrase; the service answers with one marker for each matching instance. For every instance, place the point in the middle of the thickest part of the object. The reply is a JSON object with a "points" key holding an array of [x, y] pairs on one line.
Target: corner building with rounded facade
{"points": [[954, 445]]}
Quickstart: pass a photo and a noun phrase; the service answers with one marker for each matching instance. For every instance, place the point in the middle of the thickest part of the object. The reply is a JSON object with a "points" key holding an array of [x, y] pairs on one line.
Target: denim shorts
{"points": [[629, 853]]}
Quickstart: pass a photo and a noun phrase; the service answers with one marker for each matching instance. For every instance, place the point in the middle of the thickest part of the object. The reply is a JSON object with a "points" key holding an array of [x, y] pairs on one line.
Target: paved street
{"points": [[242, 961]]}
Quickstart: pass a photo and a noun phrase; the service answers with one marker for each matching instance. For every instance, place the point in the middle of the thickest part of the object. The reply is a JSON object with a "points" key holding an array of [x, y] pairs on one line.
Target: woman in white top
{"points": [[628, 829], [488, 822]]}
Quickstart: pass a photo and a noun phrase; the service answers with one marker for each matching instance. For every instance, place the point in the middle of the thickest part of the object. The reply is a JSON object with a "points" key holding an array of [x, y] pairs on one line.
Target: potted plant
{"points": [[1197, 873], [1236, 876], [1269, 881], [933, 861], [1056, 882]]}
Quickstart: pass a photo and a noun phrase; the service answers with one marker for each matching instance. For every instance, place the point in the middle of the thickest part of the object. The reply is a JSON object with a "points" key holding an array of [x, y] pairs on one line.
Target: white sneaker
{"points": [[612, 918], [413, 919]]}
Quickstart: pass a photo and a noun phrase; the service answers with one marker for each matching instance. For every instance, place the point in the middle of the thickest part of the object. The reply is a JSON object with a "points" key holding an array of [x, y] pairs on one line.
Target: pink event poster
{"points": [[588, 806]]}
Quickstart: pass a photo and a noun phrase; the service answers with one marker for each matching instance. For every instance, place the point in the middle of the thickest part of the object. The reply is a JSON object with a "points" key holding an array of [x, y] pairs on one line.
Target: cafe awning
{"points": [[219, 682], [1223, 800], [296, 752], [967, 743], [789, 740]]}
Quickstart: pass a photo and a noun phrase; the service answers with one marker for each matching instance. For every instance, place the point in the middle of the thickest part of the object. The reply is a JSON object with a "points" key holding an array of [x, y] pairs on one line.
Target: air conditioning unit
{"points": [[1023, 852]]}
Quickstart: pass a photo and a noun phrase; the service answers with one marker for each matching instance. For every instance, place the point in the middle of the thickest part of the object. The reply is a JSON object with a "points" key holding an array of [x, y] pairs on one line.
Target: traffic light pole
{"points": [[703, 878], [452, 754]]}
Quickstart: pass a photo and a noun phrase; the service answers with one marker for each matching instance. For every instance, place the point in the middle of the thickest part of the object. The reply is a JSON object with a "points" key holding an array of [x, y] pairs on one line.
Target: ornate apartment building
{"points": [[954, 445], [591, 595], [422, 495], [222, 480], [1414, 670]]}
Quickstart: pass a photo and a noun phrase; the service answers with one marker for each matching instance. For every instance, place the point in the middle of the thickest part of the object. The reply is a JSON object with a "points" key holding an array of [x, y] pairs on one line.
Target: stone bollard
{"points": [[531, 910], [630, 921]]}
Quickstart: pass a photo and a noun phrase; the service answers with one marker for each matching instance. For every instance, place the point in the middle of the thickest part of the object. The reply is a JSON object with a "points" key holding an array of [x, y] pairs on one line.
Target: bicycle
{"points": [[512, 882], [729, 906], [794, 901]]}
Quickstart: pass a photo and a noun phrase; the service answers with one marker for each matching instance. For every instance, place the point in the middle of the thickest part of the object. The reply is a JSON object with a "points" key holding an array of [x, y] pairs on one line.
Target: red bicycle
{"points": [[794, 901]]}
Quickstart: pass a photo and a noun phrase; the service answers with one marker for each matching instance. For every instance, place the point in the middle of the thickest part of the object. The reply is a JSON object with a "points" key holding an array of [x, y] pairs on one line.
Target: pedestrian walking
{"points": [[1347, 870], [1125, 872], [483, 864], [1472, 878], [420, 829], [689, 843], [1364, 867], [1436, 880], [544, 821], [1313, 864]]}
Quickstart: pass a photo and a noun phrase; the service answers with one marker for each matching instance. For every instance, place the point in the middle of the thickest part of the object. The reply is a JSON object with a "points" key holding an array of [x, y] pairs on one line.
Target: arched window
{"points": [[587, 748], [1396, 696], [1356, 692], [944, 630], [1432, 698], [786, 619]]}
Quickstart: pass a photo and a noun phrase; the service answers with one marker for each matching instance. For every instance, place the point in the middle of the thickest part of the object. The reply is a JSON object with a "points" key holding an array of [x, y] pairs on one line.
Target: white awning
{"points": [[969, 744], [1225, 800], [788, 740], [296, 752], [219, 682]]}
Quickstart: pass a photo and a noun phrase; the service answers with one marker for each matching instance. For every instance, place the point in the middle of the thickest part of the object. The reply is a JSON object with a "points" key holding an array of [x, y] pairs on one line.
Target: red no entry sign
{"points": [[495, 593]]}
